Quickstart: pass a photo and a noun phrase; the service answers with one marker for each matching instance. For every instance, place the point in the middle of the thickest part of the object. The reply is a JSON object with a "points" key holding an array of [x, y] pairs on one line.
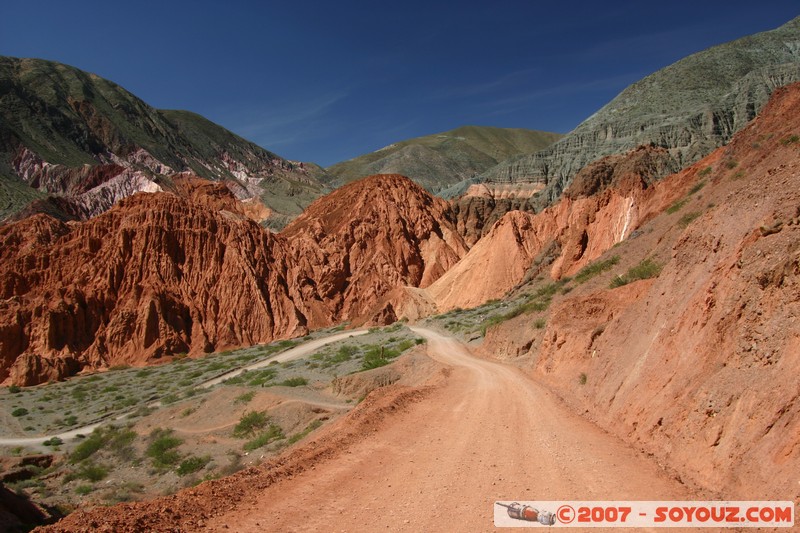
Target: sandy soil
{"points": [[486, 433]]}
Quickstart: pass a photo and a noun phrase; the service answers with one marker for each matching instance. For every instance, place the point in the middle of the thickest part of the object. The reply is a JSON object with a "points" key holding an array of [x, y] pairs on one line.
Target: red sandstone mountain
{"points": [[607, 202], [369, 237], [698, 366], [160, 274]]}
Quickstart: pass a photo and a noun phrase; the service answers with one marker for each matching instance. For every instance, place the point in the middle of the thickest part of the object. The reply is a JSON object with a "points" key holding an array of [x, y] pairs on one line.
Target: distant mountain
{"points": [[85, 142], [690, 108], [440, 160]]}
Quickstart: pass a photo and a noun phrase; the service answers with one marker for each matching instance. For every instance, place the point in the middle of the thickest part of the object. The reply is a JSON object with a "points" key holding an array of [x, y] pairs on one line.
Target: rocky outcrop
{"points": [[87, 143], [358, 243], [690, 108], [157, 275], [697, 367], [161, 274], [610, 200]]}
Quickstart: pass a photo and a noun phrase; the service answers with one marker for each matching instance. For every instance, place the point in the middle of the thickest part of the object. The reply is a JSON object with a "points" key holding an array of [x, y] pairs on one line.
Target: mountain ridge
{"points": [[689, 107], [58, 122], [439, 160]]}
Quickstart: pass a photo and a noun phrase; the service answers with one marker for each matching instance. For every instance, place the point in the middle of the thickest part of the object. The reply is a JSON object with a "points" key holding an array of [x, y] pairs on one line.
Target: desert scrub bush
{"points": [[273, 433], [677, 206], [19, 411], [697, 186], [53, 441], [299, 436], [402, 346], [244, 398], [645, 270], [582, 378], [296, 381], [192, 464], [83, 490], [687, 219], [539, 323], [92, 472], [375, 357], [162, 448], [705, 172], [250, 423], [14, 389], [731, 164], [593, 269], [91, 445], [792, 139]]}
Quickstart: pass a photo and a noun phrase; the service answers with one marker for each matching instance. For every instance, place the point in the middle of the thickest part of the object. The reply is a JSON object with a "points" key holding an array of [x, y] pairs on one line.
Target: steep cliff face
{"points": [[365, 239], [155, 276], [88, 143], [690, 108], [698, 366]]}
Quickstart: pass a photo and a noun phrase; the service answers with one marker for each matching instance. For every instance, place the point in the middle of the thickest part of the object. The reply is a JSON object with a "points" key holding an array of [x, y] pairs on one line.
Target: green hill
{"points": [[440, 160]]}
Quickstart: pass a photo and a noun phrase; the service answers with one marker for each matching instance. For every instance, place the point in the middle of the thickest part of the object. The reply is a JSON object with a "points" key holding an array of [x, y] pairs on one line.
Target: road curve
{"points": [[487, 433], [290, 354]]}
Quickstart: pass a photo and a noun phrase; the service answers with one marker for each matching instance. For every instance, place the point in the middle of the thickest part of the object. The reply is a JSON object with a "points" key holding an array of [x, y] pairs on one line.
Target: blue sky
{"points": [[327, 81]]}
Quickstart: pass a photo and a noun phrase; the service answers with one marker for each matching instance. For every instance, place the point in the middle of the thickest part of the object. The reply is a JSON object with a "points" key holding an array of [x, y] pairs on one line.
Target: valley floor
{"points": [[484, 433]]}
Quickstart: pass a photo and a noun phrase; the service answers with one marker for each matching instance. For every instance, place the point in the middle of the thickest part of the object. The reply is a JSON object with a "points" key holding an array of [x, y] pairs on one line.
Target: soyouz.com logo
{"points": [[584, 514]]}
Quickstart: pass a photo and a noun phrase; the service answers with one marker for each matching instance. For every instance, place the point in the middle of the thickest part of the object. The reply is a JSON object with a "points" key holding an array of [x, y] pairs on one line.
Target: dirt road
{"points": [[291, 354], [487, 433]]}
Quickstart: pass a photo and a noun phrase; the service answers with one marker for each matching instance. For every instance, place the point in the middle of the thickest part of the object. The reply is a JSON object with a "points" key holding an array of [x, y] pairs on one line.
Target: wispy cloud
{"points": [[526, 99], [484, 87], [284, 123]]}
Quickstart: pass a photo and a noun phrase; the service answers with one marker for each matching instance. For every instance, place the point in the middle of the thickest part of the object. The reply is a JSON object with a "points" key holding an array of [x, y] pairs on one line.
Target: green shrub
{"points": [[593, 269], [298, 436], [582, 378], [374, 358], [645, 270], [92, 472], [731, 163], [790, 140], [705, 172], [250, 423], [539, 323], [161, 449], [53, 441], [272, 434], [14, 389], [244, 398], [687, 219], [677, 206], [294, 382], [20, 411], [88, 447], [192, 464], [697, 187], [83, 490]]}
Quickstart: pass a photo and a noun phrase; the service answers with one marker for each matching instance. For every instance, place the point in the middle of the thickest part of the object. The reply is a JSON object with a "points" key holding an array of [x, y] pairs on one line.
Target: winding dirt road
{"points": [[293, 353], [486, 433]]}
